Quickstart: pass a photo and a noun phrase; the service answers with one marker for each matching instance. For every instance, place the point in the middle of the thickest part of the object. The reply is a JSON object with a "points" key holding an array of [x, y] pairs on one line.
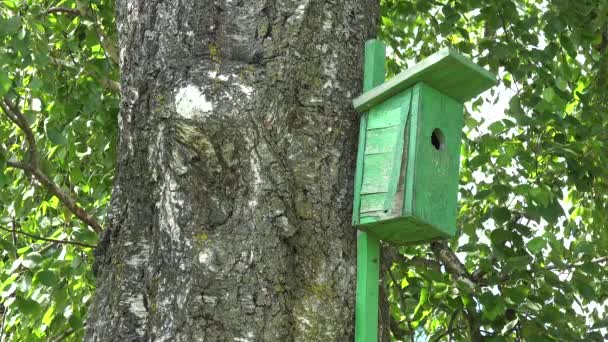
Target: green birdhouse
{"points": [[406, 184]]}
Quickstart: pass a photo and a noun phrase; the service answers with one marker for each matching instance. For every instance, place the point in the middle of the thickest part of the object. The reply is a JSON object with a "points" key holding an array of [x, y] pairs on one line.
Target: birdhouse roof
{"points": [[446, 70]]}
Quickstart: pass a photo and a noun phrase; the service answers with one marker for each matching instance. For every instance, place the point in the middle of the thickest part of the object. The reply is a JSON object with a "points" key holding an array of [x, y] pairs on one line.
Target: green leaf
{"points": [[501, 215], [5, 83], [536, 244], [10, 25], [28, 306], [47, 278], [56, 136], [32, 260], [47, 319]]}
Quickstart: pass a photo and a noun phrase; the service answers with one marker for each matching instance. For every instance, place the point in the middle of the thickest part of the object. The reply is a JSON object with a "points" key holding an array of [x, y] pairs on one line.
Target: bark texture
{"points": [[231, 211]]}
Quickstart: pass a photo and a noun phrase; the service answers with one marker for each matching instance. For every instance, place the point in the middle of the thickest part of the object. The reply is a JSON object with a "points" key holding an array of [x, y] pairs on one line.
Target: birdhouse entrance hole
{"points": [[437, 139]]}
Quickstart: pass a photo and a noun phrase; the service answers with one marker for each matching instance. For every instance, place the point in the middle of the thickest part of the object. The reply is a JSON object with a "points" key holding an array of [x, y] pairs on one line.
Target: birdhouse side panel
{"points": [[382, 158]]}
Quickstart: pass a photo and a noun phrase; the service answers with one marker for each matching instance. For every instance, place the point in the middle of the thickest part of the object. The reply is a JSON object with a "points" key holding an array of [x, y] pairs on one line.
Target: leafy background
{"points": [[56, 73], [532, 249]]}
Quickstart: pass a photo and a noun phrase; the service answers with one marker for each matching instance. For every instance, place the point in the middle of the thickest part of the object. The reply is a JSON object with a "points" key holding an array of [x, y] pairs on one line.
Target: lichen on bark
{"points": [[230, 216]]}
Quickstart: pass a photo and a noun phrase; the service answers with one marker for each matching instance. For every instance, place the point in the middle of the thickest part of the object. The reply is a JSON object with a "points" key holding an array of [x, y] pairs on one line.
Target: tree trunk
{"points": [[231, 212]]}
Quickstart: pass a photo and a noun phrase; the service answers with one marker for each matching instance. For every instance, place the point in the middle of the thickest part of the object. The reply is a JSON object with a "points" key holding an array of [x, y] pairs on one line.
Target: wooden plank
{"points": [[377, 170], [372, 202], [447, 71], [398, 153], [359, 168], [411, 150], [381, 140], [368, 273], [379, 118], [373, 75]]}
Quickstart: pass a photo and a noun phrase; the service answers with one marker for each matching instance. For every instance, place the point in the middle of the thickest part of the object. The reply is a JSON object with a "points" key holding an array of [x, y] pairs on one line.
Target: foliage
{"points": [[533, 193], [533, 196], [58, 77]]}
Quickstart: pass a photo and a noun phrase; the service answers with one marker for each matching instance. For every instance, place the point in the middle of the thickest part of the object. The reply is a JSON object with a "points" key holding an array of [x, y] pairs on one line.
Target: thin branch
{"points": [[108, 46], [81, 10], [578, 263], [66, 199], [65, 335], [32, 167], [73, 12], [18, 165], [446, 256], [36, 237], [2, 325], [19, 119], [455, 267], [110, 84], [474, 326], [452, 320]]}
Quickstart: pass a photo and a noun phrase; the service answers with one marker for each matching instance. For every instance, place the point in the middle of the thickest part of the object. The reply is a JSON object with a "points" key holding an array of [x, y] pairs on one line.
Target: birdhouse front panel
{"points": [[433, 170]]}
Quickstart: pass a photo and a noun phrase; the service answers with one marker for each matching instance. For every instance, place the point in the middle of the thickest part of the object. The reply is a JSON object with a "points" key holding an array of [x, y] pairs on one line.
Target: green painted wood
{"points": [[368, 245], [381, 140], [389, 200], [385, 116], [447, 71], [382, 159], [435, 175], [377, 170], [411, 153], [409, 183], [406, 181], [372, 202], [420, 193], [368, 272], [373, 75]]}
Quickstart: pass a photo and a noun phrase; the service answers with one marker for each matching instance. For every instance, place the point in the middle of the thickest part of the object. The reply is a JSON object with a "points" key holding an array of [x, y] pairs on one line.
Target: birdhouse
{"points": [[406, 184]]}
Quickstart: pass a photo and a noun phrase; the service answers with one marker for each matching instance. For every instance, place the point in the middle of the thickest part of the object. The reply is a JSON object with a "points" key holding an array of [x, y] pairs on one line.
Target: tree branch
{"points": [[108, 46], [81, 10], [60, 10], [32, 167], [65, 335], [65, 199], [474, 326], [68, 242], [19, 119], [577, 264], [452, 264], [446, 256]]}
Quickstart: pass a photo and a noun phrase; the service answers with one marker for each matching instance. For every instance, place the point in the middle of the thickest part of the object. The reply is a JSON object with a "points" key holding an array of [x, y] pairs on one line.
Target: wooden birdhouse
{"points": [[406, 183]]}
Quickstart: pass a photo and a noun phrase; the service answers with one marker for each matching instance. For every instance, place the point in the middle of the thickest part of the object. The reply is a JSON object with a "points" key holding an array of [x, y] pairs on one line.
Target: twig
{"points": [[60, 10], [64, 335], [81, 10], [451, 262], [451, 324], [577, 263], [16, 117], [108, 46], [65, 199], [2, 325], [68, 242]]}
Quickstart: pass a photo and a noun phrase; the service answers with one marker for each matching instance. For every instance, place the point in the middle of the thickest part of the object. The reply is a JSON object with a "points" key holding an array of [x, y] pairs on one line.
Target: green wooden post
{"points": [[368, 246]]}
